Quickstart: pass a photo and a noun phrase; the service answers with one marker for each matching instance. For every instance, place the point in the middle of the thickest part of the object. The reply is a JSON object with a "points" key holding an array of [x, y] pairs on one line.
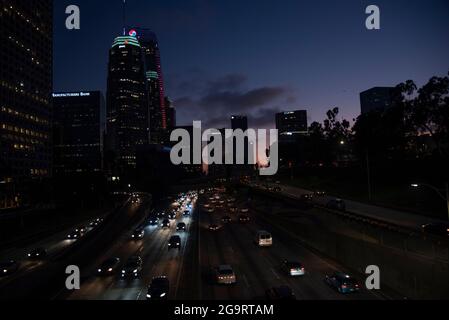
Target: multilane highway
{"points": [[190, 269]]}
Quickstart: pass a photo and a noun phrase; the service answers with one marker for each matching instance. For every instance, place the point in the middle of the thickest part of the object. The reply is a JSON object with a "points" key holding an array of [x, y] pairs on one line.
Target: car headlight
{"points": [[149, 296], [135, 271], [123, 271], [29, 254], [110, 270], [5, 271], [163, 295], [99, 270]]}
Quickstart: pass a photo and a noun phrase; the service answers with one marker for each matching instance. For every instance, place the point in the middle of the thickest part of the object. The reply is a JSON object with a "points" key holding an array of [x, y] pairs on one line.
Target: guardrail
{"points": [[348, 215]]}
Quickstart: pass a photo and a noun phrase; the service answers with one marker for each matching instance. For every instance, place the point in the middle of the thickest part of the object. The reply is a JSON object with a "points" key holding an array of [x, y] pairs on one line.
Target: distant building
{"points": [[79, 127], [239, 122], [192, 170], [293, 131], [171, 114], [26, 64], [127, 103], [378, 98], [292, 122], [238, 170]]}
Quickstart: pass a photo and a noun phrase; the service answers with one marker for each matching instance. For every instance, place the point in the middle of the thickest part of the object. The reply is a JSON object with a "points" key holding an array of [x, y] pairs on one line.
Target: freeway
{"points": [[48, 276], [258, 269], [53, 245], [189, 270], [157, 261]]}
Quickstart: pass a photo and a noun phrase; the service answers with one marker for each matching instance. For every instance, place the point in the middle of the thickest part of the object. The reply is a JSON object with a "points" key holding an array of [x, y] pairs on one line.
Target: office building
{"points": [[292, 122], [127, 102], [155, 82], [79, 128], [376, 99], [26, 54]]}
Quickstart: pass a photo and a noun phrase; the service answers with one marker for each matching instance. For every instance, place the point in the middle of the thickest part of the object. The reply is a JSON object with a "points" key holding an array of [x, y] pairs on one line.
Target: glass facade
{"points": [[79, 128], [26, 42], [127, 102]]}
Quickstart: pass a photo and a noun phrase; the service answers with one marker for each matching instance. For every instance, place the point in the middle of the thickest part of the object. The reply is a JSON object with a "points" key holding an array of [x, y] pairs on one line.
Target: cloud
{"points": [[235, 100], [214, 101], [230, 81]]}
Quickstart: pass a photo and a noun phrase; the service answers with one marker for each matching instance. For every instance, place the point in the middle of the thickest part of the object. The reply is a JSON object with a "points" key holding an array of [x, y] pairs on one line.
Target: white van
{"points": [[264, 239]]}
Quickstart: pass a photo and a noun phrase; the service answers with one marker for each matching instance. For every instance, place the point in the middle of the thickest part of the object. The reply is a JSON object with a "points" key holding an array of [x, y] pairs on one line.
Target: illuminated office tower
{"points": [[155, 82], [26, 53], [127, 106]]}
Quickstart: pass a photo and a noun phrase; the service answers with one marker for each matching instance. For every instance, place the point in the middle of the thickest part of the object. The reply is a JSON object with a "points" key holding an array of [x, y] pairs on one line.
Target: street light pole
{"points": [[447, 198], [438, 191], [368, 171]]}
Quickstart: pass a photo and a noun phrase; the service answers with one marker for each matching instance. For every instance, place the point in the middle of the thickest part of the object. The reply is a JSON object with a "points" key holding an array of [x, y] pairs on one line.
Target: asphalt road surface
{"points": [[189, 269]]}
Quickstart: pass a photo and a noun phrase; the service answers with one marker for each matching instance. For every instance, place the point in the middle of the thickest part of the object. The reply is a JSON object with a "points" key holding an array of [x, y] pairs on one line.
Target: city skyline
{"points": [[212, 73]]}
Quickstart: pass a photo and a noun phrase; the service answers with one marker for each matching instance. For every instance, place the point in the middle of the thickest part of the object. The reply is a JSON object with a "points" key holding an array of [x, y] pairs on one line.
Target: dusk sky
{"points": [[223, 57]]}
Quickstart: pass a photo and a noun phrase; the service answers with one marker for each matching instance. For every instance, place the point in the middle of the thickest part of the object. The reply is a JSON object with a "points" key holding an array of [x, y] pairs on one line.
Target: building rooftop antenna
{"points": [[124, 17]]}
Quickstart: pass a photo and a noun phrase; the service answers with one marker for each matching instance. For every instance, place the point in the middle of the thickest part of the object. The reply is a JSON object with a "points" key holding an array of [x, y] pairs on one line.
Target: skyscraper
{"points": [[171, 114], [79, 127], [239, 122], [378, 98], [26, 43], [127, 102], [155, 81]]}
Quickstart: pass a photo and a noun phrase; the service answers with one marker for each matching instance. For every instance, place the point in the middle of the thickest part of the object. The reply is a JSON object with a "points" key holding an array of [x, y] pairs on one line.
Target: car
{"points": [[8, 268], [37, 254], [181, 226], [174, 243], [166, 224], [96, 222], [138, 234], [225, 275], [75, 235], [336, 204], [135, 200], [172, 216], [108, 267], [438, 229], [306, 197], [264, 239], [153, 221], [319, 193], [159, 289], [161, 215], [226, 219], [244, 219], [82, 229], [214, 227], [186, 213], [280, 293], [343, 283], [293, 269], [133, 267]]}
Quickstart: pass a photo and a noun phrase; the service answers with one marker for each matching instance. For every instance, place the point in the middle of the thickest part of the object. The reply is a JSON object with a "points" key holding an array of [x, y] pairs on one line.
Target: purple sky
{"points": [[258, 57]]}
